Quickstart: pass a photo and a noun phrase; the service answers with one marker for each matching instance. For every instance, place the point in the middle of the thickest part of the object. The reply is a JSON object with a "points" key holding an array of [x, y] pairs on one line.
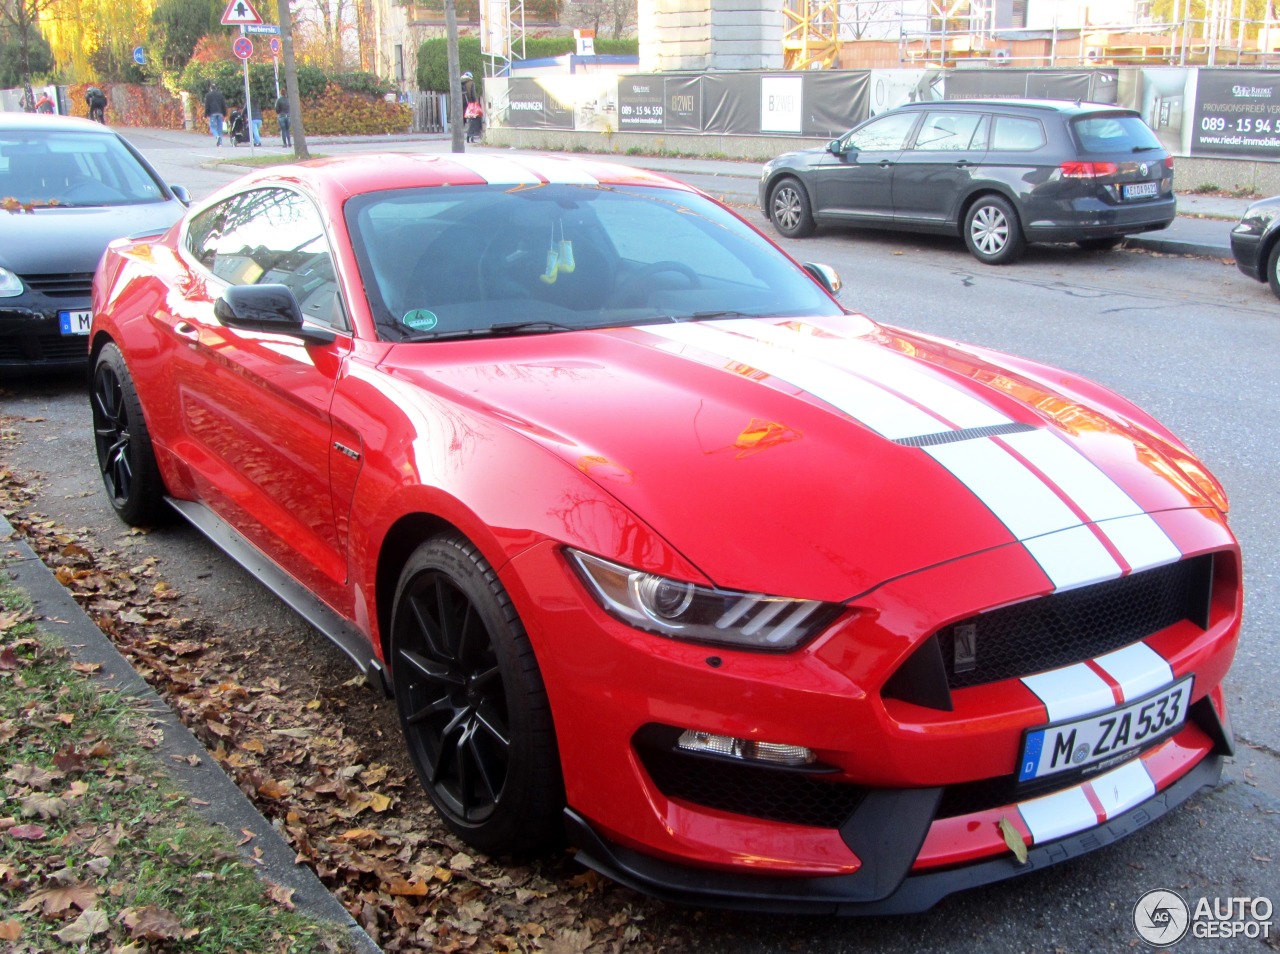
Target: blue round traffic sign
{"points": [[242, 47], [139, 56], [275, 45]]}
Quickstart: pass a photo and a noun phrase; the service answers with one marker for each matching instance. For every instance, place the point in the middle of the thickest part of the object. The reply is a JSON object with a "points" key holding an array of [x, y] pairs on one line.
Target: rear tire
{"points": [[126, 458], [472, 703], [789, 209], [1273, 269], [992, 231]]}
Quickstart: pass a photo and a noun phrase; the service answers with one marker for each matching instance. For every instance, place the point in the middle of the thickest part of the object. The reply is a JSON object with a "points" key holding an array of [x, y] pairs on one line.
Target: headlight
{"points": [[683, 610], [10, 284]]}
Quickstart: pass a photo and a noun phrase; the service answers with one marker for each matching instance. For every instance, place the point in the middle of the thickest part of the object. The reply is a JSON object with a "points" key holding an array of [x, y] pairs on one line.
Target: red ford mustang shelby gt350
{"points": [[766, 605]]}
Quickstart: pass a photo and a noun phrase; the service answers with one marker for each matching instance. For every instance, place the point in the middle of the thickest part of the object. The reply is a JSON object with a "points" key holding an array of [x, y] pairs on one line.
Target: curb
{"points": [[188, 763], [1178, 247]]}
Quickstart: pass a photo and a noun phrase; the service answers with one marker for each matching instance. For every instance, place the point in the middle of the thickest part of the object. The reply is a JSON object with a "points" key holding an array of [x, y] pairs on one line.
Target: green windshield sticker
{"points": [[420, 319]]}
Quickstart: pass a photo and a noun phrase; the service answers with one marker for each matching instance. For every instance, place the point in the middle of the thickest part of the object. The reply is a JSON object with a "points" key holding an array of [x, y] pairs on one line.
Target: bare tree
{"points": [[618, 17]]}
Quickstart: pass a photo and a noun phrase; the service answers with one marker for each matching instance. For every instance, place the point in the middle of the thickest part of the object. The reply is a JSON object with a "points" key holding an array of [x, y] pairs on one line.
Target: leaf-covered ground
{"points": [[323, 760]]}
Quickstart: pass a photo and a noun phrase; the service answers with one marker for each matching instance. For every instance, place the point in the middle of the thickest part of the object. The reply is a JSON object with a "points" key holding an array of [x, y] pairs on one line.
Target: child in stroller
{"points": [[239, 127]]}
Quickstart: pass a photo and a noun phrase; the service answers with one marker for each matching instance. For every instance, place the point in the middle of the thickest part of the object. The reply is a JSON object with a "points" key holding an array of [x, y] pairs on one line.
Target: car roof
{"points": [[1064, 106], [24, 122], [339, 178]]}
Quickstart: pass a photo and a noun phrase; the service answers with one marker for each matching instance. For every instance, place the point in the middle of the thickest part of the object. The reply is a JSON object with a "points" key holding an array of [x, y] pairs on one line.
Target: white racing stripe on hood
{"points": [[1025, 479], [870, 405], [896, 373]]}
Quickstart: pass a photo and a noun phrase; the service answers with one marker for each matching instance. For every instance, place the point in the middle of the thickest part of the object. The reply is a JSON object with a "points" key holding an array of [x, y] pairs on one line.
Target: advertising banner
{"points": [[683, 103], [1237, 114], [531, 107], [731, 103], [641, 103], [835, 101]]}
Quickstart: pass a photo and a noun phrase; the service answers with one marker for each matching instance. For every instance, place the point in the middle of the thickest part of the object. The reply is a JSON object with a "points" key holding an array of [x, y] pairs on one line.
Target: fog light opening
{"points": [[774, 753]]}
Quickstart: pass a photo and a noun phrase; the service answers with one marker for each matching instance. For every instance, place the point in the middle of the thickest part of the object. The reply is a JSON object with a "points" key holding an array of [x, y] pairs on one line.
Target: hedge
{"points": [[433, 56]]}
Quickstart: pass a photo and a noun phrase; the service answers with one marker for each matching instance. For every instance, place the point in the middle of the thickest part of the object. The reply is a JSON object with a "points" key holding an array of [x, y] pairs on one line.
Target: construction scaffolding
{"points": [[861, 34]]}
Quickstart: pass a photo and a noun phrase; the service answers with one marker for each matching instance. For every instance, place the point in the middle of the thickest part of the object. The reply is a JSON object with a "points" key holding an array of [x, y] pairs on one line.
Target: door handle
{"points": [[187, 330], [885, 163], [963, 163]]}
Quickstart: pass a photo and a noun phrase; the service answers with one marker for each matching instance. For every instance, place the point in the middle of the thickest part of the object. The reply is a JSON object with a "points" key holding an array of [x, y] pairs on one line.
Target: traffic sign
{"points": [[139, 55], [240, 13], [275, 45], [242, 47], [262, 28]]}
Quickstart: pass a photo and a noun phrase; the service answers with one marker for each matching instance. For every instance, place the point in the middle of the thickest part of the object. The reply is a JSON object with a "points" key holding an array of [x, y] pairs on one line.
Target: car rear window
{"points": [[1114, 132]]}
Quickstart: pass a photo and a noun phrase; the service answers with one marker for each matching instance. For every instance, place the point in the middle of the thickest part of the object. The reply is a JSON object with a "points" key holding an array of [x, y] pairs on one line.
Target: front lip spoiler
{"points": [[844, 895]]}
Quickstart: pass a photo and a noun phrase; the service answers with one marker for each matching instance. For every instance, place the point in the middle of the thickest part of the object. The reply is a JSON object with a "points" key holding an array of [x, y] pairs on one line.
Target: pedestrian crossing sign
{"points": [[240, 13]]}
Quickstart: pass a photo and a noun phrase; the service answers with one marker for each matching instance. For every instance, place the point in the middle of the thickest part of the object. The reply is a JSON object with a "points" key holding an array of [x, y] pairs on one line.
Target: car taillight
{"points": [[1088, 170], [1168, 162]]}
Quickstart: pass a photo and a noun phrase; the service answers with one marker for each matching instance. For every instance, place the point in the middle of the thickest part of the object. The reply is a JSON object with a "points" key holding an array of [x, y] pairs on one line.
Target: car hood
{"points": [[820, 458], [72, 239]]}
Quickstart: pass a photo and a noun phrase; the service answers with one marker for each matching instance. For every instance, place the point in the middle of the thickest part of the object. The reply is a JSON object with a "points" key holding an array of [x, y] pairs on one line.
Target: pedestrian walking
{"points": [[215, 107], [282, 117], [96, 100], [255, 123], [472, 111]]}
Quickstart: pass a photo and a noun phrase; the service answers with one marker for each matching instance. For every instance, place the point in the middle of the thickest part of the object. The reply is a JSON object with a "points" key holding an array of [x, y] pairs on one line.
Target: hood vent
{"points": [[964, 434]]}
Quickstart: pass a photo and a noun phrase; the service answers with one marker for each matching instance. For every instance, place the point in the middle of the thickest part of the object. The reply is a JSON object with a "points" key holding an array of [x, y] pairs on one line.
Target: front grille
{"points": [[1066, 628], [73, 285], [41, 349], [796, 797]]}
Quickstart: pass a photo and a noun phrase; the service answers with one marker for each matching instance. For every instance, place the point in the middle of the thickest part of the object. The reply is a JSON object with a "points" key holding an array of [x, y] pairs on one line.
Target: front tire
{"points": [[472, 703], [992, 231], [1273, 269], [789, 209], [126, 458]]}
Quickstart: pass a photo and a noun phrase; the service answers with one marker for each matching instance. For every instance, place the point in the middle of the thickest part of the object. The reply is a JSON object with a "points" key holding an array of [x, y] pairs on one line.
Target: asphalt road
{"points": [[1190, 339]]}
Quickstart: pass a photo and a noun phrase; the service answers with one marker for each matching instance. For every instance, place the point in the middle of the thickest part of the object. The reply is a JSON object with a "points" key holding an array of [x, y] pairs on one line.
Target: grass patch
{"points": [[98, 849], [262, 161]]}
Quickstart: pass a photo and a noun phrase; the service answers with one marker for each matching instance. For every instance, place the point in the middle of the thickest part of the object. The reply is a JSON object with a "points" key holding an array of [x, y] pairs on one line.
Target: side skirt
{"points": [[267, 572]]}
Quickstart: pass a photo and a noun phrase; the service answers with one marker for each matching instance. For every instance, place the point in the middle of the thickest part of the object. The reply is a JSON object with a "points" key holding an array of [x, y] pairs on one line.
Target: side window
{"points": [[270, 236], [1015, 134], [950, 132], [879, 135]]}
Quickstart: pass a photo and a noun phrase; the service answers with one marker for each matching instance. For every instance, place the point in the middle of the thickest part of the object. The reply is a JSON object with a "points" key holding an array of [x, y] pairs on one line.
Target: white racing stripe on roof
{"points": [[888, 369], [496, 170], [1138, 669], [1071, 691], [559, 171], [867, 403]]}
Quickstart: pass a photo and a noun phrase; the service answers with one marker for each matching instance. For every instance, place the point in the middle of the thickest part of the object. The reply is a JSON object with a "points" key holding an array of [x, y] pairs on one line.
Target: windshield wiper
{"points": [[492, 331], [1145, 148]]}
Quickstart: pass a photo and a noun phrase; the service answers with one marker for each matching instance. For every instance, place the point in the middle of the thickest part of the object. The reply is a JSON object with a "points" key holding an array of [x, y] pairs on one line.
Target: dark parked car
{"points": [[1255, 242], [67, 188], [1000, 173]]}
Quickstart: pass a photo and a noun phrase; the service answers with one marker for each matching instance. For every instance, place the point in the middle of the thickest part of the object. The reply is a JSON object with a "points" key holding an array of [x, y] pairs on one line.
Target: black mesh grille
{"points": [[776, 794], [36, 349], [73, 285], [1065, 628], [965, 434]]}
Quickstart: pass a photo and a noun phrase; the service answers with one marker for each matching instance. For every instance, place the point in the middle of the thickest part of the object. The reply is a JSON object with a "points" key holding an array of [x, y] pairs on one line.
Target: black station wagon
{"points": [[1001, 173]]}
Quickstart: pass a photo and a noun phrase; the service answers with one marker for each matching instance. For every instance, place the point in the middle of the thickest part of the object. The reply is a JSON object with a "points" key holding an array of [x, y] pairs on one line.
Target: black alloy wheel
{"points": [[126, 459], [472, 703]]}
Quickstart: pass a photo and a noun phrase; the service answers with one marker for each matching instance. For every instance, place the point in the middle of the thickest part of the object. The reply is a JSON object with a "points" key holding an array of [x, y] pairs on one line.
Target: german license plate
{"points": [[74, 322], [1081, 743], [1139, 190]]}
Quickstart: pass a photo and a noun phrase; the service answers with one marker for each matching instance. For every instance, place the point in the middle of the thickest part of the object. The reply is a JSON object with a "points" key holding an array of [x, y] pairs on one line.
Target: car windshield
{"points": [[489, 260], [44, 167]]}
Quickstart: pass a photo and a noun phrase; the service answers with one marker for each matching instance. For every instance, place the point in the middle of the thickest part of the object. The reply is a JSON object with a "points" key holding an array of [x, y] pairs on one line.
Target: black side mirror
{"points": [[269, 308]]}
